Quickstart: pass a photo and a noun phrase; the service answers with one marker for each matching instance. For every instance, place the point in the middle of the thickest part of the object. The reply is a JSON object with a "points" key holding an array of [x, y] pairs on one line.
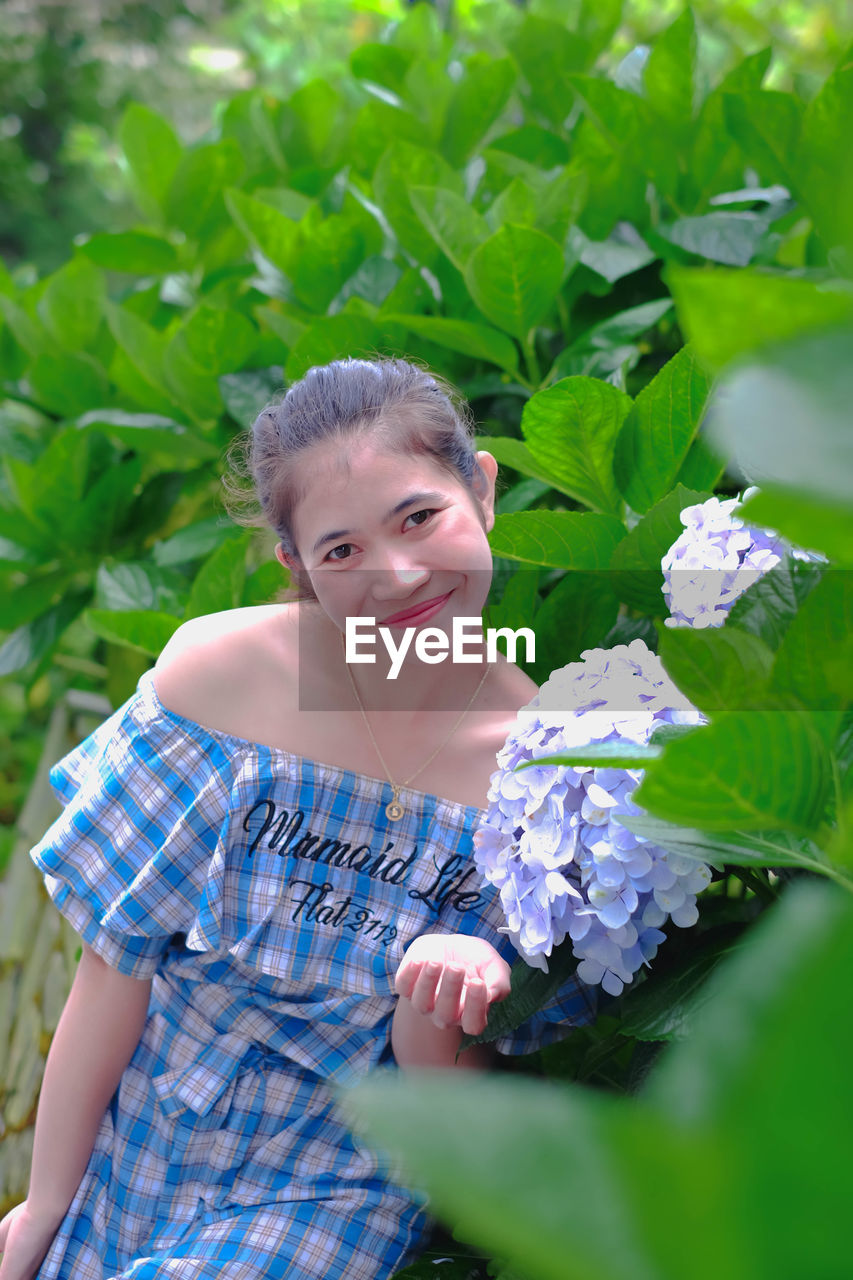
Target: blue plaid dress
{"points": [[270, 901]]}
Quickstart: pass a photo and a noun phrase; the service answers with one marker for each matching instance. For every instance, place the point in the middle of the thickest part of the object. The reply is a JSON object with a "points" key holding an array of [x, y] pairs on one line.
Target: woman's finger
{"points": [[406, 977], [496, 976], [425, 987], [446, 1009], [475, 1012]]}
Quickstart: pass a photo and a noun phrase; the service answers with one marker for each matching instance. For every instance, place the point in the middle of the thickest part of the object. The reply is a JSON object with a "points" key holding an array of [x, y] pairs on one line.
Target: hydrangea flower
{"points": [[551, 842], [715, 559]]}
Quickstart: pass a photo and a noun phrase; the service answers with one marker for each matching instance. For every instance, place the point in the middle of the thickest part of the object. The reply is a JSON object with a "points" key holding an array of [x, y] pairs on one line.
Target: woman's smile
{"points": [[417, 613]]}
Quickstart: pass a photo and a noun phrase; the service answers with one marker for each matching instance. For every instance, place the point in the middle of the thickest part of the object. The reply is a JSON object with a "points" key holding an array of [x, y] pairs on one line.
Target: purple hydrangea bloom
{"points": [[551, 842], [715, 559]]}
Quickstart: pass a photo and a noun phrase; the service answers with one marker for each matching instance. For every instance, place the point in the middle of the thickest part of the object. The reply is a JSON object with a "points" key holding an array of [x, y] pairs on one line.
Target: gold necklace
{"points": [[394, 809]]}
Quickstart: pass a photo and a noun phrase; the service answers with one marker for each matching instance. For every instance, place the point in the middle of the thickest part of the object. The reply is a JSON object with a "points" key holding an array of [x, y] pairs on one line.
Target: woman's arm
{"points": [[93, 1043], [446, 984]]}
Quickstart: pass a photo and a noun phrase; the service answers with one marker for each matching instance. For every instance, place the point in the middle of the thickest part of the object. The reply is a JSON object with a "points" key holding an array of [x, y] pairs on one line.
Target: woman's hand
{"points": [[453, 979], [24, 1240]]}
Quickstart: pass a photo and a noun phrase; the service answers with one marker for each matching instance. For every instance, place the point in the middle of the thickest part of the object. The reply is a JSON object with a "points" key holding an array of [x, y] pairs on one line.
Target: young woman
{"points": [[266, 852]]}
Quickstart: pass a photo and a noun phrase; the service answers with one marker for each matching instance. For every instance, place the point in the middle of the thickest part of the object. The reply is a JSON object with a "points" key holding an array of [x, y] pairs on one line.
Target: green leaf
{"points": [[329, 251], [657, 434], [823, 159], [428, 91], [530, 142], [561, 539], [505, 1187], [715, 165], [517, 604], [637, 577], [192, 542], [273, 233], [571, 430], [622, 327], [815, 658], [754, 1047], [248, 392], [733, 238], [220, 580], [560, 201], [546, 52], [152, 151], [56, 483], [476, 340], [36, 640], [141, 629], [402, 168], [730, 313], [67, 384], [702, 468], [617, 754], [767, 608], [311, 125], [219, 341], [194, 202], [728, 848], [577, 614], [514, 278], [137, 586], [766, 124], [332, 338], [785, 417], [668, 1009], [699, 1155], [622, 253], [718, 668], [31, 336], [133, 252], [668, 76], [150, 434], [191, 384], [509, 452], [454, 224], [478, 99], [382, 64], [143, 345], [94, 524], [377, 125], [747, 769], [33, 598], [72, 304], [264, 584], [810, 523]]}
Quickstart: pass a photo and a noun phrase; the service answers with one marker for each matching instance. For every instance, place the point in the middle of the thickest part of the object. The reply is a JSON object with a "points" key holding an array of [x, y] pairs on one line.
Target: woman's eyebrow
{"points": [[334, 534]]}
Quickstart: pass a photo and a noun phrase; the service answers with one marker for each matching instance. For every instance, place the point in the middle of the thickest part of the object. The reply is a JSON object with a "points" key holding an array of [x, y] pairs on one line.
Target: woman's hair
{"points": [[405, 408]]}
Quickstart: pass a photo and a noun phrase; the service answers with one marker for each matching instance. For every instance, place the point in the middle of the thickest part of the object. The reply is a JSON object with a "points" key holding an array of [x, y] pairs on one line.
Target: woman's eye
{"points": [[346, 547], [421, 517]]}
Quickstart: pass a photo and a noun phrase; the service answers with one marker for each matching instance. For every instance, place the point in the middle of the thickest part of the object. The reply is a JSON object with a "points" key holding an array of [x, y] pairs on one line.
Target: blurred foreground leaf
{"points": [[731, 1162]]}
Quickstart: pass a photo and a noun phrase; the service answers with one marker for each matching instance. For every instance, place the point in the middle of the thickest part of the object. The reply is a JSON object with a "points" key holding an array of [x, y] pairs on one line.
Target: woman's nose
{"points": [[396, 572]]}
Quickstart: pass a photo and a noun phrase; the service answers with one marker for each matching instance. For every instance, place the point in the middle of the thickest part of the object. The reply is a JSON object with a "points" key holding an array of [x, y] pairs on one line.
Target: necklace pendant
{"points": [[393, 809]]}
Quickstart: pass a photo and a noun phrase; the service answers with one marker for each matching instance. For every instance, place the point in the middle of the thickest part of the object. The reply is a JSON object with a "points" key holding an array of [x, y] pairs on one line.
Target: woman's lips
{"points": [[420, 613]]}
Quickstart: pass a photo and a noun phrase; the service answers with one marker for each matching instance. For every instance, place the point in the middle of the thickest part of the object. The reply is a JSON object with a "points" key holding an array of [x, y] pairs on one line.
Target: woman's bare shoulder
{"points": [[213, 662]]}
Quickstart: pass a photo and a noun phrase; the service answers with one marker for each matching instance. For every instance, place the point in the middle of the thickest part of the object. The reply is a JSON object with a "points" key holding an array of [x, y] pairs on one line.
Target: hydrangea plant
{"points": [[715, 559], [551, 842]]}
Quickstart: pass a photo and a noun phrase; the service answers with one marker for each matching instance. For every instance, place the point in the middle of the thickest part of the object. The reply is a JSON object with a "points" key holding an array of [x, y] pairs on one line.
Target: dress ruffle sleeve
{"points": [[130, 860]]}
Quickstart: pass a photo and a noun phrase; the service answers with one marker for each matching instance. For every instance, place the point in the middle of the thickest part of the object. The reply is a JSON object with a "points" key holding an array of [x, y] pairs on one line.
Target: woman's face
{"points": [[393, 536]]}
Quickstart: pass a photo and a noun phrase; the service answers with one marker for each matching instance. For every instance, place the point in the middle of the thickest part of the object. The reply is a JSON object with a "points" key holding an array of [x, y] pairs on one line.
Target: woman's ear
{"points": [[485, 478], [286, 560]]}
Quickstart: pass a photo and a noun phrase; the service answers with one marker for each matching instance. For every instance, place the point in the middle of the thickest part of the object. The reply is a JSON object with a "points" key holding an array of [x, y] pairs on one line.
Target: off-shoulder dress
{"points": [[270, 900]]}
